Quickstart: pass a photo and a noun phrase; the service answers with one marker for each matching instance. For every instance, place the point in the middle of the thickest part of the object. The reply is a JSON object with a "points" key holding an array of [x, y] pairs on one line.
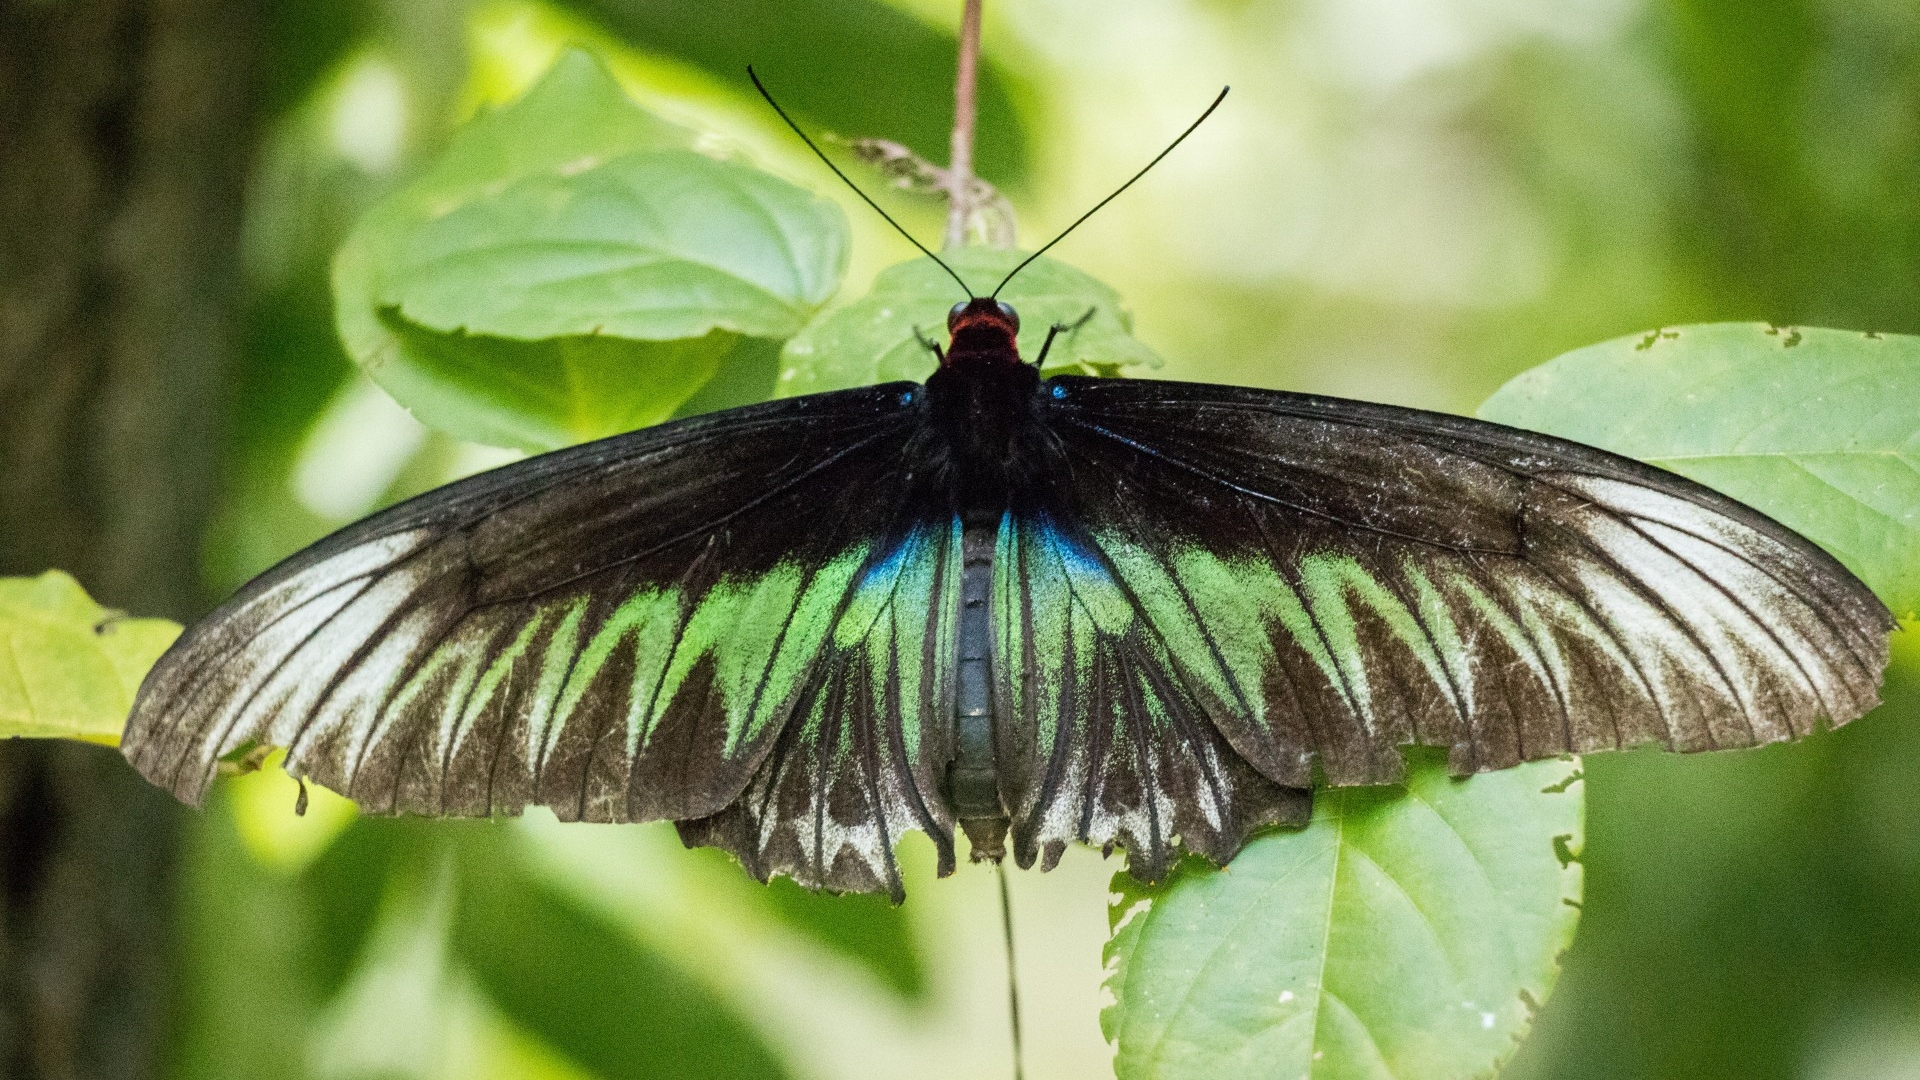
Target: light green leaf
{"points": [[69, 667], [1819, 429], [1403, 933], [654, 245], [872, 339], [555, 392], [571, 268]]}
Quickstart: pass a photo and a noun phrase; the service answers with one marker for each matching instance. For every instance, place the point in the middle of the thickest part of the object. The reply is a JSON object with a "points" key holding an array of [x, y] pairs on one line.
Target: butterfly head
{"points": [[983, 329]]}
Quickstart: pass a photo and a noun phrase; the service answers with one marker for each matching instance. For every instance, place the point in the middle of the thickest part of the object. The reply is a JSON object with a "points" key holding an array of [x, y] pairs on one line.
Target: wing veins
{"points": [[253, 693], [1633, 581], [1734, 599], [1222, 481], [1490, 586], [1819, 611], [1143, 761], [896, 734], [202, 683], [1186, 599], [1128, 652], [651, 715], [706, 527], [1393, 586], [1339, 676], [454, 737], [866, 744], [1619, 646], [412, 668]]}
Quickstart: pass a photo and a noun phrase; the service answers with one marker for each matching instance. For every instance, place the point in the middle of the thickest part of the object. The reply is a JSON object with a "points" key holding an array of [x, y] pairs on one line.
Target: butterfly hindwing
{"points": [[1102, 738], [862, 758], [1334, 580], [623, 631]]}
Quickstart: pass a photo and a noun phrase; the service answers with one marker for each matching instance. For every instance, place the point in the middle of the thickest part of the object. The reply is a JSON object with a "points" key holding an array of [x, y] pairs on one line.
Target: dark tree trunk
{"points": [[125, 132]]}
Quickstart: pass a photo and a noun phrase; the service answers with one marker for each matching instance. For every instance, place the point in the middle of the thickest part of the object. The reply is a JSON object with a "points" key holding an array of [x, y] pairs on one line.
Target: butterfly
{"points": [[1039, 611]]}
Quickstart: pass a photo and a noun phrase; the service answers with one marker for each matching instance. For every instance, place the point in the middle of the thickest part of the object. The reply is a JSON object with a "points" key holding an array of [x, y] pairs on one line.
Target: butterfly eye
{"points": [[953, 314], [1012, 315]]}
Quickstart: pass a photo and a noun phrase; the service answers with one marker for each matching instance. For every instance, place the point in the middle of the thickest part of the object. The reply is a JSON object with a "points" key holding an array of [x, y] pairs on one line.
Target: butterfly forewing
{"points": [[1333, 580], [624, 631]]}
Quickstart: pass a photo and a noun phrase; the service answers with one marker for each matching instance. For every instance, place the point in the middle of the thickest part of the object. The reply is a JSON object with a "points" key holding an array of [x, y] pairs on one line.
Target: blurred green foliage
{"points": [[1410, 203], [861, 68]]}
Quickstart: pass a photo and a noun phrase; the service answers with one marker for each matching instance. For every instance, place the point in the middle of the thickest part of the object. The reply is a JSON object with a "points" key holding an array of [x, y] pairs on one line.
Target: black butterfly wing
{"points": [[858, 762], [1102, 737], [1328, 580], [632, 629]]}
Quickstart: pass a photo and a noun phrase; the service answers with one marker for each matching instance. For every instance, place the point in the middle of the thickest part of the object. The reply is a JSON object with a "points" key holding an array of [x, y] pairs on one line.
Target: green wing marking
{"points": [[1103, 738], [861, 760]]}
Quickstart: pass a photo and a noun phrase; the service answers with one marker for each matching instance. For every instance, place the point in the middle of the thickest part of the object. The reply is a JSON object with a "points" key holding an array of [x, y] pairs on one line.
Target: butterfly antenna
{"points": [[1013, 981], [758, 85], [1116, 193]]}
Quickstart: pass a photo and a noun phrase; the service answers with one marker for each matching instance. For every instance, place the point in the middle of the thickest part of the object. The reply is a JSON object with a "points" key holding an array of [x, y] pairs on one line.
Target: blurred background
{"points": [[1403, 200]]}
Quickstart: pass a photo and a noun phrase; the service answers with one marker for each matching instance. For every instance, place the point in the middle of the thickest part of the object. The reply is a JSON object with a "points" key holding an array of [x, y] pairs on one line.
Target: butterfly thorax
{"points": [[983, 403]]}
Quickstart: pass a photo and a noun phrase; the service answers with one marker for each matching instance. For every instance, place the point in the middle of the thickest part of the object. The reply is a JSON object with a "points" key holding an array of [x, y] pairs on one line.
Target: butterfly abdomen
{"points": [[973, 786]]}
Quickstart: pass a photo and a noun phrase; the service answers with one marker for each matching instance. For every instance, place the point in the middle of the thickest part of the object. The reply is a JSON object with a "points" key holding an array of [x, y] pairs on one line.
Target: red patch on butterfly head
{"points": [[984, 331]]}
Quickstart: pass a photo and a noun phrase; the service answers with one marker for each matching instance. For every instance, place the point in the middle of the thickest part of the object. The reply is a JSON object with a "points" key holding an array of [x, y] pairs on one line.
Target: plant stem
{"points": [[1013, 979], [960, 163]]}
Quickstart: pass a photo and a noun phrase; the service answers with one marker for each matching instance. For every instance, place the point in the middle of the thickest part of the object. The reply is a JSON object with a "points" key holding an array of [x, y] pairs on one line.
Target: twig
{"points": [[960, 163], [990, 214]]}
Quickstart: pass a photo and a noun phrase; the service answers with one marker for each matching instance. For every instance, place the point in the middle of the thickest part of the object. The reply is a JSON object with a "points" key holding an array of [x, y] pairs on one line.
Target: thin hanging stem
{"points": [[1013, 980], [960, 162]]}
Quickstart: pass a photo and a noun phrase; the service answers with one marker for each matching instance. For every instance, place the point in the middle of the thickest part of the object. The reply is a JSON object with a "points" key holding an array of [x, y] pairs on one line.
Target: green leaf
{"points": [[69, 667], [545, 394], [570, 268], [1820, 429], [653, 245], [825, 60], [873, 339], [745, 376], [1402, 933]]}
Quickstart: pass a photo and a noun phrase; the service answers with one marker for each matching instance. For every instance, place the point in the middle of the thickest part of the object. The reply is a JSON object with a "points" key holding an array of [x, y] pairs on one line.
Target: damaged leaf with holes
{"points": [[1820, 429], [70, 667]]}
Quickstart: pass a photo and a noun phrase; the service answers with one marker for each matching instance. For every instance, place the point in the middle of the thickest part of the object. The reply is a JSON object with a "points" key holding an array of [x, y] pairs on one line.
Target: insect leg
{"points": [[1061, 328], [930, 345]]}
